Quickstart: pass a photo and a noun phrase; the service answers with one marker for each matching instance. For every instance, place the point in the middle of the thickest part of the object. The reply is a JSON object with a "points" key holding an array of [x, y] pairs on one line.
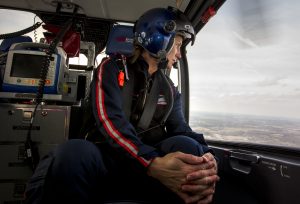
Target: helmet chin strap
{"points": [[162, 59], [163, 63]]}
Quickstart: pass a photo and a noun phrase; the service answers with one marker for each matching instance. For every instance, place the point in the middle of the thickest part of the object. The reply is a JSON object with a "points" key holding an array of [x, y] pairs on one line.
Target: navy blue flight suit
{"points": [[115, 168]]}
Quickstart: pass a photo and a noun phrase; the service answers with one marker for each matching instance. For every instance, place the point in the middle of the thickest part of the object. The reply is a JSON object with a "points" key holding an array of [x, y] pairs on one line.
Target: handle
{"points": [[28, 45], [242, 161]]}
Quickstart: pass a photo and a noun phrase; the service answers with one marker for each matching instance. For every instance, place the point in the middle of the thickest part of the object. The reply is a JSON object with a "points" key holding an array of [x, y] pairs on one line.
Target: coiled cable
{"points": [[31, 150]]}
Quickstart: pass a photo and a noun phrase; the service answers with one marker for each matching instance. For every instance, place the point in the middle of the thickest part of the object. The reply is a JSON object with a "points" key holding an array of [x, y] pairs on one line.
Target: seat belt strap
{"points": [[150, 105], [168, 94]]}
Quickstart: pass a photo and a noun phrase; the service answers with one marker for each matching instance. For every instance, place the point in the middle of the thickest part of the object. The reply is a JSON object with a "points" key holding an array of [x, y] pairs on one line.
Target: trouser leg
{"points": [[74, 175], [181, 143], [78, 174], [152, 189]]}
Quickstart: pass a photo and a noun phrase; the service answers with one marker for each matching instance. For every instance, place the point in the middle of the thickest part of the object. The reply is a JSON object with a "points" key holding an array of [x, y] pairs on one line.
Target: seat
{"points": [[6, 43], [120, 40]]}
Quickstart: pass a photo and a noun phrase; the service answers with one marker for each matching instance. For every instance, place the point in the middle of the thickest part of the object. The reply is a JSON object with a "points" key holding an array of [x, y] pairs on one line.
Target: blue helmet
{"points": [[155, 30]]}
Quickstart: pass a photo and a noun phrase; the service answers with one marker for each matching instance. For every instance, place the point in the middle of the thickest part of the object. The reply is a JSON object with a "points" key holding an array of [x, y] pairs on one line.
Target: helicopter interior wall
{"points": [[272, 179]]}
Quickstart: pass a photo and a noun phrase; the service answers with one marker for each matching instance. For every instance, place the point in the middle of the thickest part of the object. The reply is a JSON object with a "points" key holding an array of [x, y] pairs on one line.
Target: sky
{"points": [[248, 62], [245, 60]]}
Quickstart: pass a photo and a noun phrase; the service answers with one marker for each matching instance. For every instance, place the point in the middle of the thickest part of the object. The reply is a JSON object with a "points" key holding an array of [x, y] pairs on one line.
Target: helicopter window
{"points": [[80, 60], [174, 75], [244, 74], [18, 20]]}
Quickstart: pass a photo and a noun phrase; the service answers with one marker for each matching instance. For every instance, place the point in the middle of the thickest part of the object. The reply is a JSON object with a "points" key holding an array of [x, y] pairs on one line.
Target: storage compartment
{"points": [[50, 128], [50, 125]]}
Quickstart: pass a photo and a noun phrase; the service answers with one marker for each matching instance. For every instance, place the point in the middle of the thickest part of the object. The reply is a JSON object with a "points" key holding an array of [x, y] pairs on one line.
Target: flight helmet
{"points": [[155, 30]]}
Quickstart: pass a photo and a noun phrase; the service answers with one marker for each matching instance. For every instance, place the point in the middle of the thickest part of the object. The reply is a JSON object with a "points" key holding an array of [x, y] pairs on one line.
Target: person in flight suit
{"points": [[153, 156]]}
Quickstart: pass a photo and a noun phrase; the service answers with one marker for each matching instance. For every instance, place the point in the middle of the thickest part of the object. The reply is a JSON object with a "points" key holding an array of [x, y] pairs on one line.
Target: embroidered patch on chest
{"points": [[161, 100]]}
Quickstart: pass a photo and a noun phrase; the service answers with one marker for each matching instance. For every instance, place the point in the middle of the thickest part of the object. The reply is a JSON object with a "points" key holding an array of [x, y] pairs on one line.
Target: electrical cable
{"points": [[21, 32], [31, 150], [34, 32]]}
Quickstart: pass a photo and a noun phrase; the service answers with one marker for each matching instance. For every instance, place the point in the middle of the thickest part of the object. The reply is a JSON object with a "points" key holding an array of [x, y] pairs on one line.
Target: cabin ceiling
{"points": [[94, 18], [117, 10]]}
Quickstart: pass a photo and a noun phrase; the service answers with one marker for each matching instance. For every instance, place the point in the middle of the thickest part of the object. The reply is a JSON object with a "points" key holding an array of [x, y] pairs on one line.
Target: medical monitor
{"points": [[23, 71]]}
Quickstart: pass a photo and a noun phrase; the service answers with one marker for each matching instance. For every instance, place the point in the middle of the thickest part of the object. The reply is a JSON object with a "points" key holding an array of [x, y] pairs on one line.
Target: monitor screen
{"points": [[26, 66], [23, 70]]}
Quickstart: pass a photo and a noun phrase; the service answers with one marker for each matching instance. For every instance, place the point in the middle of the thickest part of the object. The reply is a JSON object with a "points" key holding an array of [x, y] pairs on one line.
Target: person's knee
{"points": [[183, 144], [77, 154], [76, 149], [76, 169]]}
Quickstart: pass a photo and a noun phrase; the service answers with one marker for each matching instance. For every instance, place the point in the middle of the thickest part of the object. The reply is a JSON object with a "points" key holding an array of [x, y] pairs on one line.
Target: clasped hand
{"points": [[192, 178]]}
